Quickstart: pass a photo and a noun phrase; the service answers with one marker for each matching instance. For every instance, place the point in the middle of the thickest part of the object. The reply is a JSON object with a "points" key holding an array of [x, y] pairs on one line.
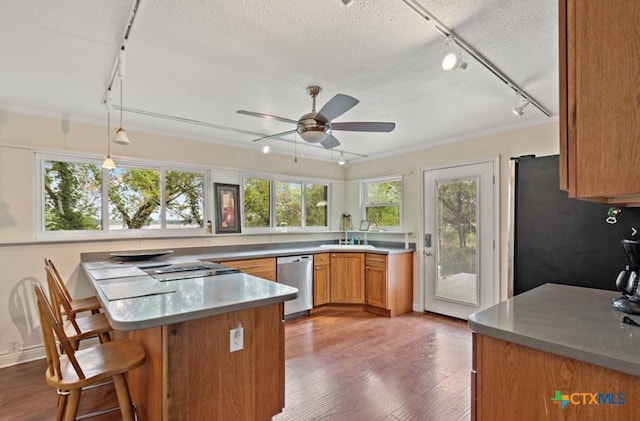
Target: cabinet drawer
{"points": [[321, 259], [376, 260], [263, 268]]}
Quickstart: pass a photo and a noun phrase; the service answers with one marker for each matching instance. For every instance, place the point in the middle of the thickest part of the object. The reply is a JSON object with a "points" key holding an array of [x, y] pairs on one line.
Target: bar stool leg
{"points": [[62, 404], [124, 400], [72, 405]]}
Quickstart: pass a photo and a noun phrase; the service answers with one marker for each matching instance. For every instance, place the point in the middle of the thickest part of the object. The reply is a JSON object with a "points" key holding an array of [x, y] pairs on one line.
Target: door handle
{"points": [[428, 253]]}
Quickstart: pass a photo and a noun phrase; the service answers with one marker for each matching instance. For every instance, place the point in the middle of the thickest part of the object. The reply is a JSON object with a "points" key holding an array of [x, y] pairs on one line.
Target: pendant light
{"points": [[108, 161], [121, 135], [341, 161]]}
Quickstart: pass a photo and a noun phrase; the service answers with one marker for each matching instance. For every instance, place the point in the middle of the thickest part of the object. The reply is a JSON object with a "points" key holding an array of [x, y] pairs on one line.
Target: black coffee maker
{"points": [[628, 280]]}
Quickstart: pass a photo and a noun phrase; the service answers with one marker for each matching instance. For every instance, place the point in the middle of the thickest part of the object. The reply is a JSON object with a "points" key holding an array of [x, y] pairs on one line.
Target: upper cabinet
{"points": [[600, 100]]}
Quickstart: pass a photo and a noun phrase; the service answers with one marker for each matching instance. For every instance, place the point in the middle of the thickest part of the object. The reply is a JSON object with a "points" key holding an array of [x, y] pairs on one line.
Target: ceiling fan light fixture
{"points": [[313, 136]]}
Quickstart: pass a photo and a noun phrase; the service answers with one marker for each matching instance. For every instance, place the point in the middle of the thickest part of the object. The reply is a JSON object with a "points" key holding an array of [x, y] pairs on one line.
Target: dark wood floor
{"points": [[340, 365]]}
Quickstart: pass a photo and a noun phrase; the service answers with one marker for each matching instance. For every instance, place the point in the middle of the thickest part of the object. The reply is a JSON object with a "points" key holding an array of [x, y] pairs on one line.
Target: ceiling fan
{"points": [[317, 126]]}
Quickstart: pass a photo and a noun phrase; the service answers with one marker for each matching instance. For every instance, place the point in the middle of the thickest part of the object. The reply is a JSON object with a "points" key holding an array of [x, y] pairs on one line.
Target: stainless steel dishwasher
{"points": [[297, 271]]}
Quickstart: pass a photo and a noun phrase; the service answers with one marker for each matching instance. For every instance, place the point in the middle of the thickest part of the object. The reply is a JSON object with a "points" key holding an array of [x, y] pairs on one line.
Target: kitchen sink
{"points": [[347, 246]]}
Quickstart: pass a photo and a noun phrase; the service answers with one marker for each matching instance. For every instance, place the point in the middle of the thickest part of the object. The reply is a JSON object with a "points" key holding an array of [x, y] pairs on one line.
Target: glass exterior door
{"points": [[459, 262]]}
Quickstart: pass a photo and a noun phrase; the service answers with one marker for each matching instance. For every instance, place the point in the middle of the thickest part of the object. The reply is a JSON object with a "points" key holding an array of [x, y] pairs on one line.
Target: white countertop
{"points": [[177, 301], [570, 321]]}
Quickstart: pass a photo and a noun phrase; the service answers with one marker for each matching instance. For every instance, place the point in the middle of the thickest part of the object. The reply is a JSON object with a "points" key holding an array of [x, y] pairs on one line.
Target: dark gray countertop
{"points": [[249, 251], [176, 301], [573, 322]]}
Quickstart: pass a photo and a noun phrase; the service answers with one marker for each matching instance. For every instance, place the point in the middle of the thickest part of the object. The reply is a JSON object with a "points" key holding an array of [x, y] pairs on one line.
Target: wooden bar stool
{"points": [[77, 305], [72, 370], [76, 328]]}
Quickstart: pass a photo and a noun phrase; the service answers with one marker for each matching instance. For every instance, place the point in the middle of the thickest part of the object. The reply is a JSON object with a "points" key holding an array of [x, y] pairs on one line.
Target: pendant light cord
{"points": [[121, 101], [109, 133]]}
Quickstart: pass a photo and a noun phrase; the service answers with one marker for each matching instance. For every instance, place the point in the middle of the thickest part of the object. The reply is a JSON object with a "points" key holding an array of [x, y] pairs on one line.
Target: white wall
{"points": [[539, 140], [21, 256]]}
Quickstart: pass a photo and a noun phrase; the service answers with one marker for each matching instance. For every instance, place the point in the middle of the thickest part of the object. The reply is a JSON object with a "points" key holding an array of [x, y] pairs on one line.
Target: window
{"points": [[256, 194], [288, 204], [284, 204], [382, 202], [316, 205], [78, 195], [72, 196]]}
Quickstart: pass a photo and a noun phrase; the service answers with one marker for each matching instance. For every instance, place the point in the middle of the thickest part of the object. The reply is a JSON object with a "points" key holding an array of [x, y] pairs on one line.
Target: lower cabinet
{"points": [[347, 278], [263, 268], [389, 283], [321, 279], [539, 385]]}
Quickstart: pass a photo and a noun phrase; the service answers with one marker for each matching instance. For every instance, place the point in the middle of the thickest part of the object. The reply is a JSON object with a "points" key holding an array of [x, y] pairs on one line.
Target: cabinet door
{"points": [[321, 279], [347, 278], [376, 287], [599, 91], [262, 268]]}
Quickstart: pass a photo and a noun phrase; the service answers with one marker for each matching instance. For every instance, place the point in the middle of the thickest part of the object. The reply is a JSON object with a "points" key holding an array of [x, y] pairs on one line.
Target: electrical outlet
{"points": [[236, 337], [14, 346]]}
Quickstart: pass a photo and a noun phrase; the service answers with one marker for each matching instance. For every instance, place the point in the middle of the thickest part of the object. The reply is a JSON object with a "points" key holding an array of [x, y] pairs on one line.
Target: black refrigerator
{"points": [[562, 240]]}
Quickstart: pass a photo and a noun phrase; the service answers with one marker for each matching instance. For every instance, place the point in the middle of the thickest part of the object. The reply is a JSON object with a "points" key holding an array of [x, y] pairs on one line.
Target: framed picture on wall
{"points": [[227, 208]]}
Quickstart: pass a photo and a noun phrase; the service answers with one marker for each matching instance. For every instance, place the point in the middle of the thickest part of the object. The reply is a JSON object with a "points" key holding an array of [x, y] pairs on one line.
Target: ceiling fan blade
{"points": [[337, 106], [267, 116], [275, 135], [330, 142], [364, 126]]}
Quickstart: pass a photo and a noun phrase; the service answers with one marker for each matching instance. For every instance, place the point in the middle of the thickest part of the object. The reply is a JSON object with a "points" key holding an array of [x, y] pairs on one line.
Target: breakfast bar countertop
{"points": [[570, 321], [134, 301]]}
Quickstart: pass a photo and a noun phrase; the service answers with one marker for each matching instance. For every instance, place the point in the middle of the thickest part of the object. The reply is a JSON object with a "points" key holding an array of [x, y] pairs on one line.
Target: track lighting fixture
{"points": [[451, 60], [108, 161], [121, 135], [341, 161], [347, 2], [519, 103]]}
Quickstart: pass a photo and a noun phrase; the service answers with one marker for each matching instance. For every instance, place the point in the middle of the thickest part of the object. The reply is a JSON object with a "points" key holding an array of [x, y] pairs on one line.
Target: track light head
{"points": [[519, 104], [452, 57]]}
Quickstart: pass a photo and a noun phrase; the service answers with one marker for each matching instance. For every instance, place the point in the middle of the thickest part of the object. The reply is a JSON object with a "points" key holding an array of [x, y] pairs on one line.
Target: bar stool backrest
{"points": [[52, 329]]}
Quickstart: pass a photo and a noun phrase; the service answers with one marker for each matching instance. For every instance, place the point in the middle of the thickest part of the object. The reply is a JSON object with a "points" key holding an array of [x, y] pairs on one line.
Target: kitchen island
{"points": [[555, 352], [185, 327]]}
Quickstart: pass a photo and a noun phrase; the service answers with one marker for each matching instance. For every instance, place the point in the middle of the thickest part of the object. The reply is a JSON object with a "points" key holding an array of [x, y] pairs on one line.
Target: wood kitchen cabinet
{"points": [[389, 283], [347, 278], [600, 100], [321, 279], [263, 268], [514, 382]]}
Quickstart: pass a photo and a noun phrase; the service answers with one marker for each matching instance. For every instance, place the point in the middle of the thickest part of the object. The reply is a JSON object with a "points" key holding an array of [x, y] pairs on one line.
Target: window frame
{"points": [[364, 204], [272, 204], [41, 157]]}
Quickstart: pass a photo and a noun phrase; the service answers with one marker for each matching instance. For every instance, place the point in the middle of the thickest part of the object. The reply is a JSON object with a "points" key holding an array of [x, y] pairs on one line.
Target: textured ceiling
{"points": [[204, 59]]}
